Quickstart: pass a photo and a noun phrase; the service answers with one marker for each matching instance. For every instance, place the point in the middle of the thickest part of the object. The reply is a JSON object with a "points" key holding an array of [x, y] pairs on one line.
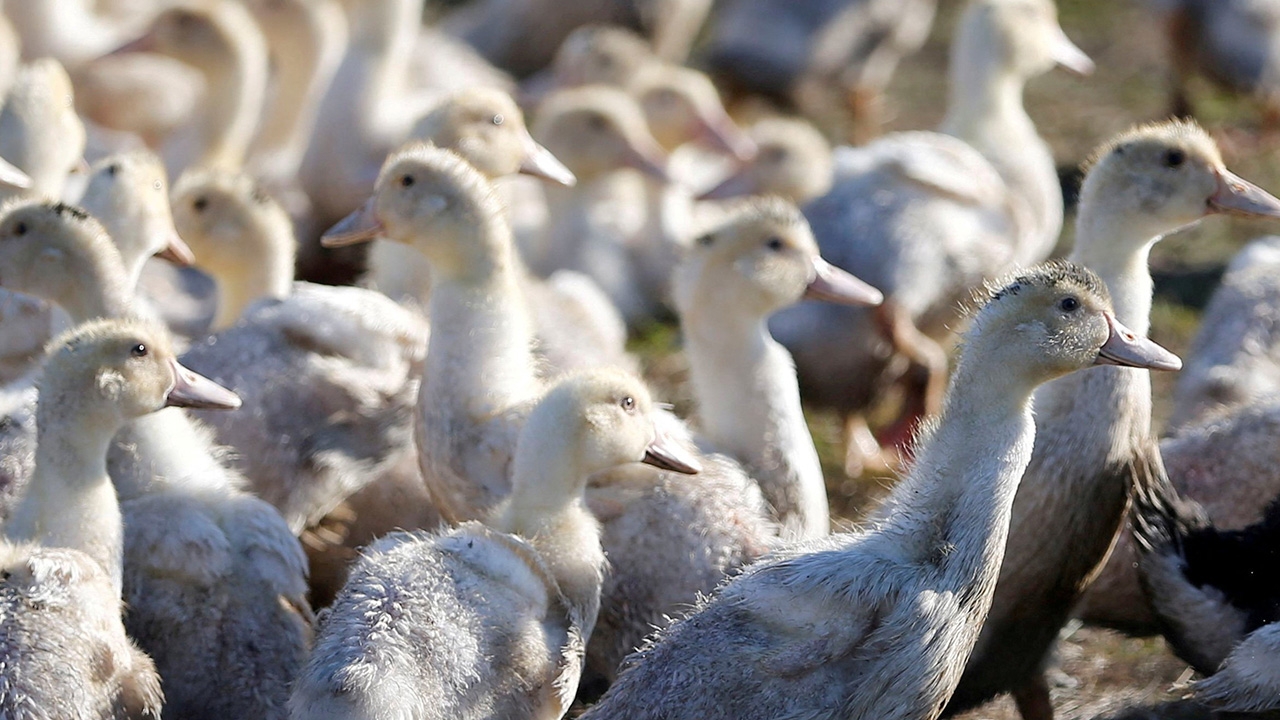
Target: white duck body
{"points": [[214, 579], [877, 624], [1094, 430], [327, 374], [486, 622]]}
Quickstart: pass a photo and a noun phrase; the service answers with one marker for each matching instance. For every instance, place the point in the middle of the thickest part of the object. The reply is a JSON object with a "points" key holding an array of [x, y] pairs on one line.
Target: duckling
{"points": [[1221, 452], [491, 619], [793, 160], [1094, 431], [987, 186], [327, 373], [592, 227], [66, 653], [39, 131], [213, 578], [878, 623], [222, 41], [1214, 593]]}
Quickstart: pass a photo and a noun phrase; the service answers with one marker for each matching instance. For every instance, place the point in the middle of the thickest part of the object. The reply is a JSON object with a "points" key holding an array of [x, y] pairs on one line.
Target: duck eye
{"points": [[628, 403], [1068, 304], [705, 240], [406, 181], [497, 119], [596, 123], [1174, 158], [200, 203], [112, 169], [20, 229], [775, 244], [138, 350]]}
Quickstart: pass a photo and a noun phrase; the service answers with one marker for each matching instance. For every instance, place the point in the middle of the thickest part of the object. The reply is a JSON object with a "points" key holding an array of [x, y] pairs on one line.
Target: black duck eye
{"points": [[112, 169], [705, 240], [138, 350], [200, 204], [1068, 304], [406, 181], [498, 119], [596, 123], [1174, 158], [20, 229], [775, 244], [629, 404]]}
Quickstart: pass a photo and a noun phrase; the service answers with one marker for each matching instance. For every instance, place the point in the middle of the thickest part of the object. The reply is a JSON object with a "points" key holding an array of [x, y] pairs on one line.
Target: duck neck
{"points": [[562, 530], [749, 407], [69, 501], [1116, 245], [269, 275], [953, 511], [165, 449], [305, 58], [481, 347], [100, 290], [237, 91]]}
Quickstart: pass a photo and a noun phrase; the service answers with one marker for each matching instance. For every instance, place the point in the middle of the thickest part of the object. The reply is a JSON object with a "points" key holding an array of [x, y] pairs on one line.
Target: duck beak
{"points": [[539, 162], [648, 159], [738, 184], [831, 284], [146, 43], [177, 252], [1125, 348], [1237, 196], [721, 133], [1065, 53], [13, 177], [192, 390], [665, 454], [359, 227]]}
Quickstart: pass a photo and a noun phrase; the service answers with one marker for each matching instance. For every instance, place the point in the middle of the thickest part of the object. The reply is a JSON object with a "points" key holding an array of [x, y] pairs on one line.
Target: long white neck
{"points": [[70, 501], [985, 109], [236, 93], [268, 274], [749, 407], [953, 511], [1115, 243], [559, 526], [95, 287], [304, 67]]}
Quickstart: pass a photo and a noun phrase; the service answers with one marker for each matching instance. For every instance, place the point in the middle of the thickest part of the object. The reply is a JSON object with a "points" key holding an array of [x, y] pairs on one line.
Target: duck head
{"points": [[792, 160], [129, 194], [760, 259], [597, 129], [487, 128], [681, 105]]}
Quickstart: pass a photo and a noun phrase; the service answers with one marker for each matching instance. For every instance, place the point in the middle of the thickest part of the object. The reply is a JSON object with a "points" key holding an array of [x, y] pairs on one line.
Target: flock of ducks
{"points": [[385, 453]]}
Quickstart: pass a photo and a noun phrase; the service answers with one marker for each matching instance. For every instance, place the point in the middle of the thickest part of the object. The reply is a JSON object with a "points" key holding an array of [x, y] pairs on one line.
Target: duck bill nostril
{"points": [[359, 227], [1237, 196], [831, 284], [1126, 349], [192, 390]]}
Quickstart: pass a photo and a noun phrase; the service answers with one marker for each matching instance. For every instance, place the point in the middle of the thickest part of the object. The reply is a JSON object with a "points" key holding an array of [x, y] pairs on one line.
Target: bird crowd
{"points": [[319, 397]]}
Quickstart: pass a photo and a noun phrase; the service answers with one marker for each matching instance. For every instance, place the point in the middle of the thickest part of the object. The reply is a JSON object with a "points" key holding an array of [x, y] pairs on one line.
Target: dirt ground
{"points": [[1099, 674]]}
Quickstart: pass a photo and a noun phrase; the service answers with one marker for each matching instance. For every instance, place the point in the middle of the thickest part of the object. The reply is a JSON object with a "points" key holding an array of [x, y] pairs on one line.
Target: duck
{"points": [[71, 31], [1212, 592], [988, 184], [1232, 43], [327, 374], [877, 623], [592, 227], [214, 580], [221, 40], [479, 380], [506, 607], [10, 55], [1218, 445], [1143, 185], [66, 650], [793, 160], [40, 134]]}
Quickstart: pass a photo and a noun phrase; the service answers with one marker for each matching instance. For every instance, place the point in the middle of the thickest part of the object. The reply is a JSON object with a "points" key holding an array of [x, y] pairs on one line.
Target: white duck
{"points": [[793, 160], [495, 618], [214, 579], [878, 623], [328, 374], [927, 216], [40, 134], [1094, 431], [66, 653]]}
